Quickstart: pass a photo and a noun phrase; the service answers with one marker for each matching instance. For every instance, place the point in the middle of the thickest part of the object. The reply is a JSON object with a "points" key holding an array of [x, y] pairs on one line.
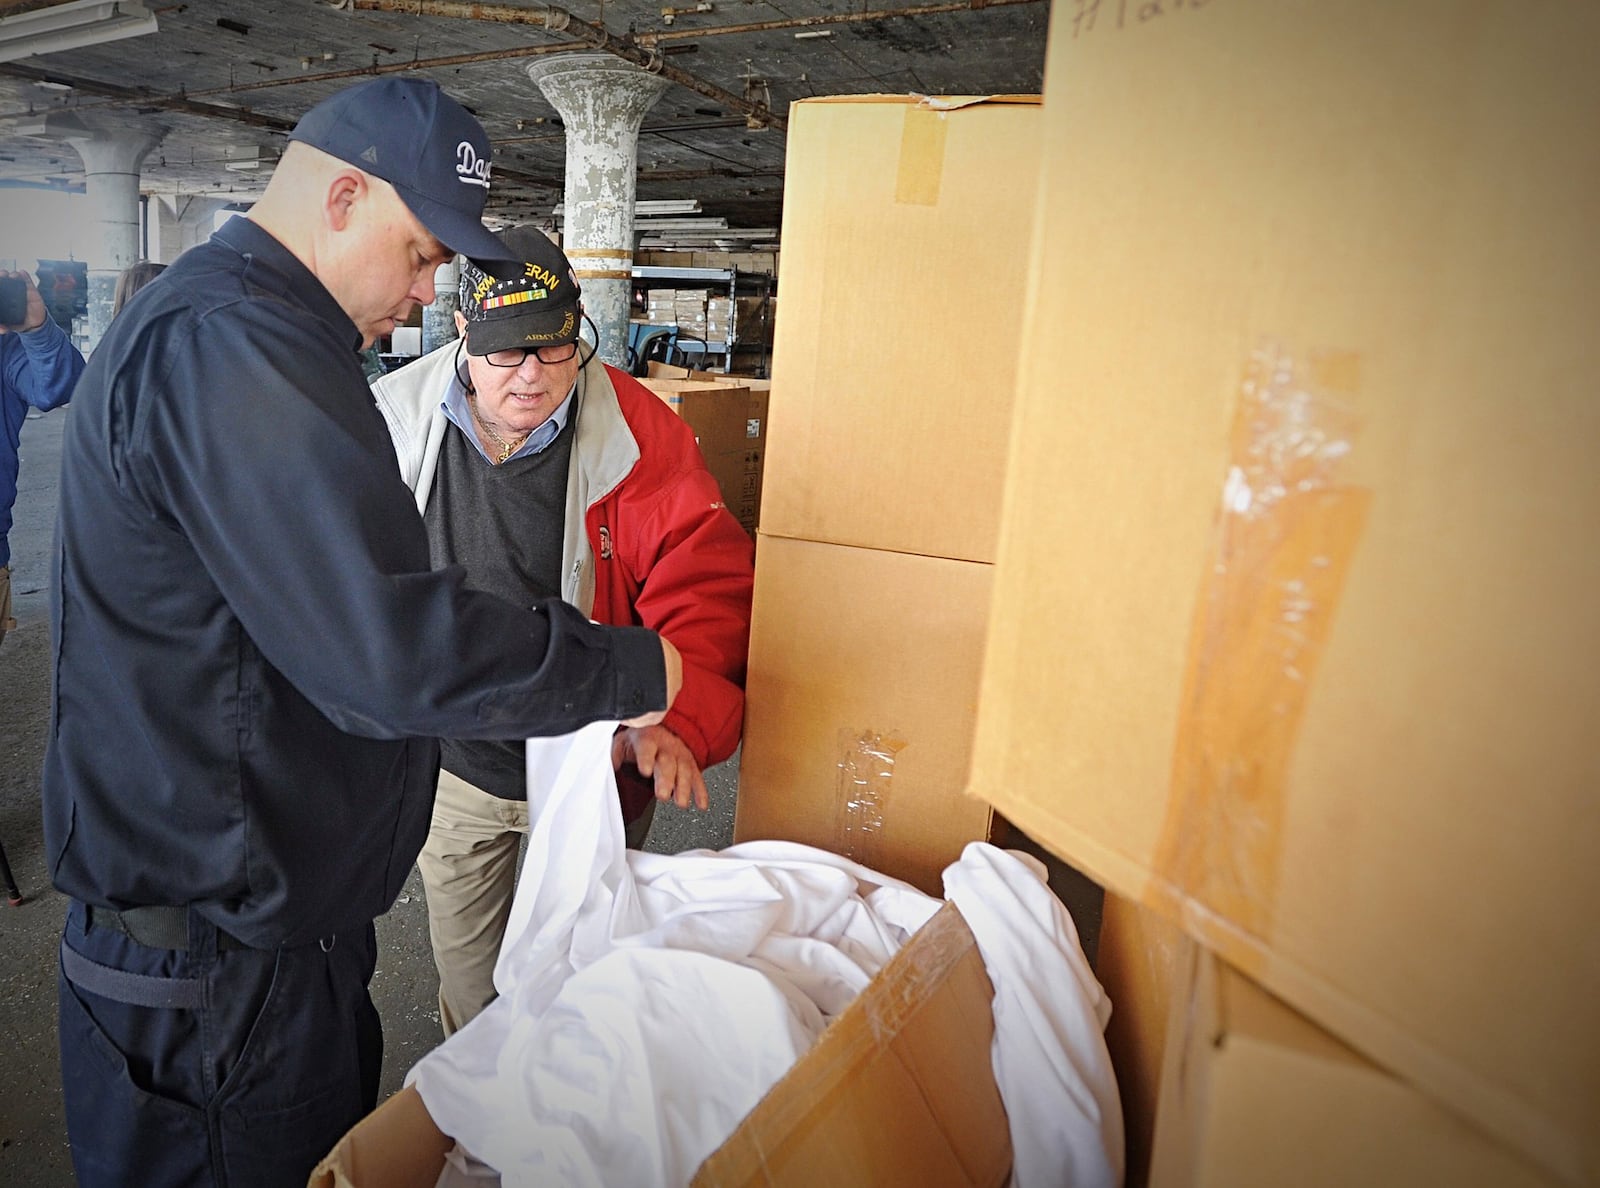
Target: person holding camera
{"points": [[38, 368]]}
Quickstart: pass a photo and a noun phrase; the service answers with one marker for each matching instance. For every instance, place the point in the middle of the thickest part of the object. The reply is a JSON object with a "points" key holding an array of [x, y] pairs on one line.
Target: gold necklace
{"points": [[507, 448]]}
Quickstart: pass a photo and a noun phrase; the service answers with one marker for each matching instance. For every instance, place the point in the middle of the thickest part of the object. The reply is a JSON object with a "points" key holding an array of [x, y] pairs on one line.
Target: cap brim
{"points": [[520, 331], [459, 232]]}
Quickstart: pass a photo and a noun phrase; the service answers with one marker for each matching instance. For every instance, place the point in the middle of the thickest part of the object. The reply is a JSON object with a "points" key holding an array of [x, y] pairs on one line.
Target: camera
{"points": [[13, 301]]}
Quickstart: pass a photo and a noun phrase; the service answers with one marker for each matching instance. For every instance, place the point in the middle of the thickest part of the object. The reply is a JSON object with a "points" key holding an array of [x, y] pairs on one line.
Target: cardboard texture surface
{"points": [[395, 1146], [730, 423], [899, 1092], [859, 705], [906, 230], [1294, 628], [1144, 962], [1257, 1096]]}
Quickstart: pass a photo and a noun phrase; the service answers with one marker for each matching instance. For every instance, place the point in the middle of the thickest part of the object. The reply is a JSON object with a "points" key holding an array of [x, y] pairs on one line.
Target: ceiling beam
{"points": [[143, 98], [592, 37], [652, 37]]}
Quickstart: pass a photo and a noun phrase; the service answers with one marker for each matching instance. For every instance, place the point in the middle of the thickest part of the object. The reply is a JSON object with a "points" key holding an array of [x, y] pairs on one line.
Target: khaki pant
{"points": [[6, 621], [469, 870]]}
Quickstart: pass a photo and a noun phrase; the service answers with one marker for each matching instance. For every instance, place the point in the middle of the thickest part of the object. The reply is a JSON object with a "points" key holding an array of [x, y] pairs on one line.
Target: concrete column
{"points": [[602, 102], [183, 221], [438, 319], [111, 163]]}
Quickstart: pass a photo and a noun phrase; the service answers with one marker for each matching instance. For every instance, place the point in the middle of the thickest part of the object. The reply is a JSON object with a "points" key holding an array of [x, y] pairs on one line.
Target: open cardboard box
{"points": [[899, 1091]]}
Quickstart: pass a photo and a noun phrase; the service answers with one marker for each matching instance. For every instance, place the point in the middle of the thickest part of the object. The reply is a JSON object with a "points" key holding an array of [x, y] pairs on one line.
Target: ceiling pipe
{"points": [[410, 64], [656, 37], [133, 95], [593, 37]]}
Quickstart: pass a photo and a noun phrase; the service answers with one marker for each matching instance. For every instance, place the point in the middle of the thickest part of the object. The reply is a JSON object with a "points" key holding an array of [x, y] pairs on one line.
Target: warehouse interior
{"points": [[1163, 428]]}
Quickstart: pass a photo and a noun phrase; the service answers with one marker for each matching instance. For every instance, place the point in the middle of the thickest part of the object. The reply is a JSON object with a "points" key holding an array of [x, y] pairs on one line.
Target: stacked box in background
{"points": [[1294, 632], [729, 420], [690, 312], [883, 475], [719, 318], [661, 306]]}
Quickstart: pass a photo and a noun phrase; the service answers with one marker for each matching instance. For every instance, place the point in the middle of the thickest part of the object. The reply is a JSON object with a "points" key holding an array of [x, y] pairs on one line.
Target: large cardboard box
{"points": [[860, 703], [1294, 630], [906, 228], [899, 1092], [730, 423], [1257, 1096], [1144, 963]]}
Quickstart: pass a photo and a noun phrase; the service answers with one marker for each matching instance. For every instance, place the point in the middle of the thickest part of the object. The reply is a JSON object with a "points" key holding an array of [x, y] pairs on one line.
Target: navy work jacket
{"points": [[252, 656]]}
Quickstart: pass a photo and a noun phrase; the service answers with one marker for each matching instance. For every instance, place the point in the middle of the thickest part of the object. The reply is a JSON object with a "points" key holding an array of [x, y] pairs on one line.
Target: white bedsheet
{"points": [[647, 1002]]}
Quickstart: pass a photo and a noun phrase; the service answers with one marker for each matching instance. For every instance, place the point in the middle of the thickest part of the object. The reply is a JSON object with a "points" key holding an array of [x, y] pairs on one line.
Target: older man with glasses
{"points": [[545, 472]]}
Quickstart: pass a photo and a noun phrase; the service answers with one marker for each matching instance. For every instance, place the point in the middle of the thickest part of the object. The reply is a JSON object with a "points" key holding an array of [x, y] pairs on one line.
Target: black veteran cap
{"points": [[423, 143], [531, 301]]}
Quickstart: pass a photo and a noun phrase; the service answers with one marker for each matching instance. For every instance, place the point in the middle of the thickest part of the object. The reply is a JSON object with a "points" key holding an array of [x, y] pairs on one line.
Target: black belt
{"points": [[154, 927]]}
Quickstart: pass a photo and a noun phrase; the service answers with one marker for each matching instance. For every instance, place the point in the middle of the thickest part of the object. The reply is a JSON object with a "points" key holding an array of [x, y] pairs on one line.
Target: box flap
{"points": [[398, 1145], [1257, 1096], [899, 1092]]}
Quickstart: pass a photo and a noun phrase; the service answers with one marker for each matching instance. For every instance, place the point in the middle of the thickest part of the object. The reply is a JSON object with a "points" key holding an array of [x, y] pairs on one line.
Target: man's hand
{"points": [[674, 664], [659, 753], [36, 310]]}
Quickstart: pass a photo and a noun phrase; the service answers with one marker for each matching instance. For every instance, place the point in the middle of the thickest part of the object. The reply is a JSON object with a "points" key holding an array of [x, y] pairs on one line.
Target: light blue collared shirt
{"points": [[455, 407]]}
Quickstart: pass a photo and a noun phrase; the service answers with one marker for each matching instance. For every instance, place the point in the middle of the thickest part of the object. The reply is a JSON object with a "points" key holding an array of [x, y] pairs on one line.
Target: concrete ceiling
{"points": [[225, 79]]}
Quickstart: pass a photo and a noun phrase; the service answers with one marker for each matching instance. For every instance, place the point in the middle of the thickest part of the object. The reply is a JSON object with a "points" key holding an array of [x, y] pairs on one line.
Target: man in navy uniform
{"points": [[254, 657]]}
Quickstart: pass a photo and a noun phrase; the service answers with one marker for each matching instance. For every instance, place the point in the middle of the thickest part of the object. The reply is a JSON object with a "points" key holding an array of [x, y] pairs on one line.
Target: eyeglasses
{"points": [[545, 354]]}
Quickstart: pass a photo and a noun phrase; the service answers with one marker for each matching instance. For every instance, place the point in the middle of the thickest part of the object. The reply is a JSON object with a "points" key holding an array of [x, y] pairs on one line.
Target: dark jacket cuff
{"points": [[641, 671]]}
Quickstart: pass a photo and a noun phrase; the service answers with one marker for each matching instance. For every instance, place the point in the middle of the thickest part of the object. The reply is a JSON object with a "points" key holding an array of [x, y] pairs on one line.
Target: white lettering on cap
{"points": [[471, 169]]}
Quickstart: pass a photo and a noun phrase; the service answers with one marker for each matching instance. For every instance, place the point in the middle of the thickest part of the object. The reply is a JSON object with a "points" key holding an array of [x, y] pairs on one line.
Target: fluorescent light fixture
{"points": [[71, 26], [257, 158], [62, 124], [650, 206]]}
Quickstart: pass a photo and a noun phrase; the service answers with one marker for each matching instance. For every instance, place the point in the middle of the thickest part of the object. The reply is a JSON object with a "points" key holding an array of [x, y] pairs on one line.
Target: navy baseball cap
{"points": [[528, 297], [423, 143]]}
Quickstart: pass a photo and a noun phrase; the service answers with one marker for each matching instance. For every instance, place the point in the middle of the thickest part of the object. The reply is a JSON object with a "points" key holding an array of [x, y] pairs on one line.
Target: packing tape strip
{"points": [[1285, 535], [921, 166], [865, 783]]}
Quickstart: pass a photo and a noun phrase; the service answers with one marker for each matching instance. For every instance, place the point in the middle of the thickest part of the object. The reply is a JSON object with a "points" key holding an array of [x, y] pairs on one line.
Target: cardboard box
{"points": [[1257, 1096], [907, 231], [1294, 628], [859, 705], [1145, 963], [898, 1092], [730, 423]]}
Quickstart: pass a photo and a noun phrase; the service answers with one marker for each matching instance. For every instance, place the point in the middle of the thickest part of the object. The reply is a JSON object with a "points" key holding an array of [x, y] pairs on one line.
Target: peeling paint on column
{"points": [[602, 103]]}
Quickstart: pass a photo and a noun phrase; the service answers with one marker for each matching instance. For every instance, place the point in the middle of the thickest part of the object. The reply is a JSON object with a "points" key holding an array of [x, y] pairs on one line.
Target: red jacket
{"points": [[659, 549], [671, 557]]}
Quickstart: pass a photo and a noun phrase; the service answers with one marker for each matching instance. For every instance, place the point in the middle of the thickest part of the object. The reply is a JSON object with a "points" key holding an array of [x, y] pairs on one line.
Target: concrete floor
{"points": [[33, 1145]]}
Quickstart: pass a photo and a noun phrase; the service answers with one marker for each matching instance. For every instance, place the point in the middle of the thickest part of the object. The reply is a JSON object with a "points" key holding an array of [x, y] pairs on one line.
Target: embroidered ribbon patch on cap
{"points": [[515, 298]]}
